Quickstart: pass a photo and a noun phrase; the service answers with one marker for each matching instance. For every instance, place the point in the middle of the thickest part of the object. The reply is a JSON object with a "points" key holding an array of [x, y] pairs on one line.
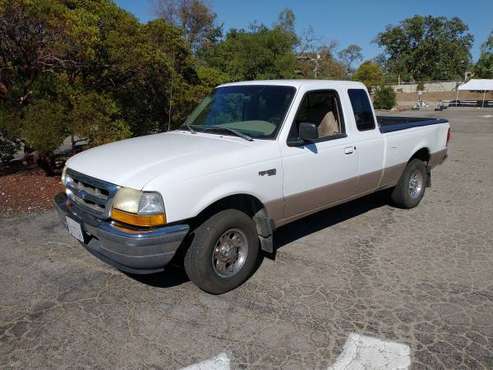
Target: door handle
{"points": [[349, 150]]}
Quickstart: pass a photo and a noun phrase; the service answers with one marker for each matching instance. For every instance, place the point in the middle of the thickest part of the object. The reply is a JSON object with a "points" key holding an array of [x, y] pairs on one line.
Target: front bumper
{"points": [[134, 251]]}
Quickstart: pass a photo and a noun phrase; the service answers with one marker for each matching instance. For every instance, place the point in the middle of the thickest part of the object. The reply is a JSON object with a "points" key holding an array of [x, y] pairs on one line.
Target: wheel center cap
{"points": [[227, 252]]}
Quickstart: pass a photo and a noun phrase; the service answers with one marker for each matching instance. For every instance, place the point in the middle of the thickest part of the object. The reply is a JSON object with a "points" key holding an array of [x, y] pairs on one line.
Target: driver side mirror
{"points": [[308, 131]]}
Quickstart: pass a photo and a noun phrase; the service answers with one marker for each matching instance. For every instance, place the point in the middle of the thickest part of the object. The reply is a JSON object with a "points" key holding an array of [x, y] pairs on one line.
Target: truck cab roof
{"points": [[311, 84]]}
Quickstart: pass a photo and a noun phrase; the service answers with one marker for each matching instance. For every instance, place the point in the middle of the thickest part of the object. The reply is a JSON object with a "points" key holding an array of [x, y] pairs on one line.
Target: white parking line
{"points": [[220, 362], [360, 352], [363, 352]]}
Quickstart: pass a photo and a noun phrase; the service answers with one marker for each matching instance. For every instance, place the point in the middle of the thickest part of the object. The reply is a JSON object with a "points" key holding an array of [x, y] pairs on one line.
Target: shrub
{"points": [[384, 98]]}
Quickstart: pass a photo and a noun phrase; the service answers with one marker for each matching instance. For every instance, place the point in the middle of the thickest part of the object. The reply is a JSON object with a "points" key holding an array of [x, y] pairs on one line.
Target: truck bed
{"points": [[390, 123]]}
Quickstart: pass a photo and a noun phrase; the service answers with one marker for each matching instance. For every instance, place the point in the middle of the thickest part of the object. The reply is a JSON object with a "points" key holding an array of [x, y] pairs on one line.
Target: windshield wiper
{"points": [[188, 127], [228, 129]]}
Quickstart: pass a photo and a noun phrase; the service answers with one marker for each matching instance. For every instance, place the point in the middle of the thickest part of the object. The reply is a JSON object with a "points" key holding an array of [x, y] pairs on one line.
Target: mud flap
{"points": [[264, 231]]}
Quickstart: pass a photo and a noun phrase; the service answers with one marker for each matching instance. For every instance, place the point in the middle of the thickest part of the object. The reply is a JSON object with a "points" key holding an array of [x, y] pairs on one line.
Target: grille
{"points": [[90, 194]]}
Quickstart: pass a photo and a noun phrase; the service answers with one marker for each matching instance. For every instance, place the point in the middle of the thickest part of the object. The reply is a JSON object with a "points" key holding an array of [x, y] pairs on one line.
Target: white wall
{"points": [[441, 86]]}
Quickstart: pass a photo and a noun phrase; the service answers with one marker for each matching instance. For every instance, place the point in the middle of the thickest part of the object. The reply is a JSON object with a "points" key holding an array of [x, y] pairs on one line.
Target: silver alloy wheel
{"points": [[230, 253], [416, 184]]}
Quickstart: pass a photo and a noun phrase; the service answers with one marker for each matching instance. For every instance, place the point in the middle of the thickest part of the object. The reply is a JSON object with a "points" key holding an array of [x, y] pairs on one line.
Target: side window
{"points": [[363, 113], [323, 109]]}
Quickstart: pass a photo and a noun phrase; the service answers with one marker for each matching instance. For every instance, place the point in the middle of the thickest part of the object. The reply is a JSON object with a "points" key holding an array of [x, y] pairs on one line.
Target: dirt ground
{"points": [[420, 279], [406, 100], [27, 191]]}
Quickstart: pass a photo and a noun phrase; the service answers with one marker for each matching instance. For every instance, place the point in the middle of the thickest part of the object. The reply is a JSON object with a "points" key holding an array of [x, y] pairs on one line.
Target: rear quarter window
{"points": [[363, 114]]}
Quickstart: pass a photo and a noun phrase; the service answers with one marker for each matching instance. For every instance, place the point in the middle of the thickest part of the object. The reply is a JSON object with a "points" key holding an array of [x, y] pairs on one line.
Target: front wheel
{"points": [[411, 186], [223, 253]]}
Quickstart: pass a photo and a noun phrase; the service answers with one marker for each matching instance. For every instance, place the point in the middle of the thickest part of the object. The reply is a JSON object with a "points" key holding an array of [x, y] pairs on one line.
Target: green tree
{"points": [[35, 41], [103, 114], [43, 125], [194, 17], [287, 20], [427, 48], [370, 74], [259, 53], [384, 98], [90, 69], [484, 66], [352, 53], [320, 65]]}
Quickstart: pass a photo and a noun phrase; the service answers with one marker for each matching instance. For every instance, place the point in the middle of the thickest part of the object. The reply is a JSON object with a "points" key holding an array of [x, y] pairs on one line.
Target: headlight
{"points": [[138, 208], [66, 180], [64, 175]]}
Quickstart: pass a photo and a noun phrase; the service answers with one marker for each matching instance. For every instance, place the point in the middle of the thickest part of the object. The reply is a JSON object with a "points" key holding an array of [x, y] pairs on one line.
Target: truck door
{"points": [[324, 171], [368, 140]]}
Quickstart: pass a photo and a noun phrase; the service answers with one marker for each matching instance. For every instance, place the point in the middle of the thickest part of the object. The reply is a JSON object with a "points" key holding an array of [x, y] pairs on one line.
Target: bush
{"points": [[384, 98], [43, 125]]}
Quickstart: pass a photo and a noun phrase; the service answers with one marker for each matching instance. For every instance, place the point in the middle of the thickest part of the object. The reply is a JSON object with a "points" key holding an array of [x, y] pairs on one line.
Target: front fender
{"points": [[223, 191], [186, 199]]}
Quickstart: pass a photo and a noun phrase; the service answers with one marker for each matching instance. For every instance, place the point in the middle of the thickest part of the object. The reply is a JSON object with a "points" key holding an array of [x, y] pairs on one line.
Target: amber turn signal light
{"points": [[138, 220]]}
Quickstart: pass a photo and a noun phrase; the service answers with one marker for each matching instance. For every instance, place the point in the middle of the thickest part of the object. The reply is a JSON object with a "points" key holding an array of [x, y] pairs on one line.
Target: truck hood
{"points": [[177, 155]]}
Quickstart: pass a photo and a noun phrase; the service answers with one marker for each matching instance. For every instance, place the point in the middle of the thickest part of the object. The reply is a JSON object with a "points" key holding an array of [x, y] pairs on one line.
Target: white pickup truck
{"points": [[251, 157]]}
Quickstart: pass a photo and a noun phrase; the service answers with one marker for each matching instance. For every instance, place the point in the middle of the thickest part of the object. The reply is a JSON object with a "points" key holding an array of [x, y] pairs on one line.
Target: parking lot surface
{"points": [[420, 278]]}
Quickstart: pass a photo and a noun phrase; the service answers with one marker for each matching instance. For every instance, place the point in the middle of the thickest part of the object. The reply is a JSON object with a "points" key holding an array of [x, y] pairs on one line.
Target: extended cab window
{"points": [[323, 109], [363, 113], [254, 110]]}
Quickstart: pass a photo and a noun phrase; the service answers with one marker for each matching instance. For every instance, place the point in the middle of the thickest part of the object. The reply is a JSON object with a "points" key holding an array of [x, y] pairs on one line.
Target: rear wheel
{"points": [[223, 253], [411, 186]]}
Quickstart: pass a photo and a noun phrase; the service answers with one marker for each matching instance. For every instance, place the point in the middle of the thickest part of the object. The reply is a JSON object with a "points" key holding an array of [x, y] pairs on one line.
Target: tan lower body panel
{"points": [[296, 206], [306, 201], [391, 175], [437, 158]]}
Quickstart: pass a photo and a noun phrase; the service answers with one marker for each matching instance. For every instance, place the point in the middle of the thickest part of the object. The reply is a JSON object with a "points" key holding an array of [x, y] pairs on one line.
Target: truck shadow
{"points": [[175, 275]]}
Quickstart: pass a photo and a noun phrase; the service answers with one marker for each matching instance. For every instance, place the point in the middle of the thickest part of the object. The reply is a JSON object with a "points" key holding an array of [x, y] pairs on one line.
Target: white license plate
{"points": [[75, 229]]}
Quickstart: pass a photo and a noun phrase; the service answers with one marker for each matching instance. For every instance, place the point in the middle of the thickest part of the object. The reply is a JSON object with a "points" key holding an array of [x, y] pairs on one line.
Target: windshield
{"points": [[253, 110]]}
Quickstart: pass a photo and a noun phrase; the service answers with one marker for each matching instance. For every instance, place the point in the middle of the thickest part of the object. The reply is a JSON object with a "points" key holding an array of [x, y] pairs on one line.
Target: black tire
{"points": [[199, 264], [403, 195]]}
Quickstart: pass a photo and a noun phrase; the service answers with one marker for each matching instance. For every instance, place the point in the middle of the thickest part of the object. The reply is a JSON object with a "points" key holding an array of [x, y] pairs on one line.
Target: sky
{"points": [[346, 22]]}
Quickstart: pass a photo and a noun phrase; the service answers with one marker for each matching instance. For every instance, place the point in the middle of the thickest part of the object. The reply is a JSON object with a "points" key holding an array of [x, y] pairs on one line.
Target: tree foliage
{"points": [[89, 69], [352, 53], [484, 66], [370, 74], [258, 53], [315, 58], [287, 20], [320, 64], [427, 48], [194, 17]]}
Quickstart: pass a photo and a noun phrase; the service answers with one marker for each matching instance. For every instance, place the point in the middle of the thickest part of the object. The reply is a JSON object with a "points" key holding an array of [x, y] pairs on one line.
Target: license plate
{"points": [[75, 229]]}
